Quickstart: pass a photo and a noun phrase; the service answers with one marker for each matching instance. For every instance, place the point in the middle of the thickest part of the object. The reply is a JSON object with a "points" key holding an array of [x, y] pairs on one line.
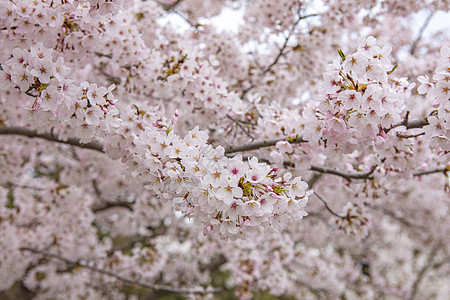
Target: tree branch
{"points": [[394, 216], [50, 137], [344, 175], [420, 34], [238, 123], [281, 50], [408, 136], [169, 6], [126, 280], [422, 272], [437, 170], [327, 207], [262, 144], [108, 205], [284, 46], [419, 123]]}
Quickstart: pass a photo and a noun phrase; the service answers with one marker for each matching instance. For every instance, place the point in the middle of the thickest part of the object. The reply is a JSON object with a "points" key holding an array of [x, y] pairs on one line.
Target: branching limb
{"points": [[281, 51], [419, 123], [283, 48], [50, 137], [169, 6], [120, 277]]}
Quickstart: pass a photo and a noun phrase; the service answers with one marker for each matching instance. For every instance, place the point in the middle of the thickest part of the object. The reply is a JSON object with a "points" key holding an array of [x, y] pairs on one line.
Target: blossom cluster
{"points": [[438, 91], [87, 108], [354, 221], [227, 195], [358, 100]]}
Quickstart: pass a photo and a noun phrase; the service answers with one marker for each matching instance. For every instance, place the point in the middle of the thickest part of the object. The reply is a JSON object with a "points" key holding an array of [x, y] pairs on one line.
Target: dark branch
{"points": [[103, 55], [327, 207], [169, 6], [394, 216], [239, 124], [119, 277], [437, 170], [422, 272], [124, 204], [286, 41], [50, 137], [262, 144], [408, 136], [420, 34], [344, 175], [281, 51]]}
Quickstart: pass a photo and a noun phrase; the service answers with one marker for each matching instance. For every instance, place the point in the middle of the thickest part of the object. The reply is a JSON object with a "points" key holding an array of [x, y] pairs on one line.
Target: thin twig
{"points": [[109, 77], [238, 123], [420, 34], [437, 170], [327, 207], [284, 46], [393, 215], [344, 175], [262, 144], [103, 54], [21, 186], [108, 205], [139, 239], [408, 136], [281, 51], [120, 277], [50, 137], [422, 272], [169, 6]]}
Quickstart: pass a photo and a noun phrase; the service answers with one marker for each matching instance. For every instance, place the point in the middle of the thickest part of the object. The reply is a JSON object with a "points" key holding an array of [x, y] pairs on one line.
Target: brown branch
{"points": [[262, 144], [109, 77], [169, 6], [103, 54], [422, 272], [419, 123], [238, 123], [345, 175], [437, 170], [284, 46], [104, 206], [139, 239], [126, 280], [394, 216], [327, 207], [420, 34], [280, 51], [50, 137], [408, 136], [9, 185]]}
